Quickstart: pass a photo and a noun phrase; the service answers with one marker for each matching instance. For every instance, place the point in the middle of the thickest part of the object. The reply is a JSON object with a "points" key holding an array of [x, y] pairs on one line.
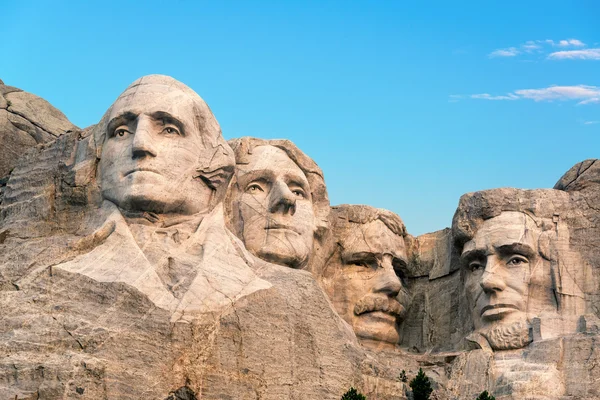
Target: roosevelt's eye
{"points": [[475, 265], [516, 261], [254, 188], [171, 130]]}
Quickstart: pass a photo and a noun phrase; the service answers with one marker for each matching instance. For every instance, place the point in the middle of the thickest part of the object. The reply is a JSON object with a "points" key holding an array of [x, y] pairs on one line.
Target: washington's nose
{"points": [[143, 145], [282, 199], [491, 281], [387, 280]]}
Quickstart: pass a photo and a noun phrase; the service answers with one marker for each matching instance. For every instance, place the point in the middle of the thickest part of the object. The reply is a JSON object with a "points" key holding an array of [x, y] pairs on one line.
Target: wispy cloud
{"points": [[573, 49], [570, 42], [510, 52], [583, 94], [591, 122], [487, 96], [585, 54]]}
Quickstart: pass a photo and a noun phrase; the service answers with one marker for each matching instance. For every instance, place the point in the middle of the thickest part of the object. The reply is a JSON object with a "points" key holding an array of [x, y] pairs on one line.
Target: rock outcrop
{"points": [[146, 257]]}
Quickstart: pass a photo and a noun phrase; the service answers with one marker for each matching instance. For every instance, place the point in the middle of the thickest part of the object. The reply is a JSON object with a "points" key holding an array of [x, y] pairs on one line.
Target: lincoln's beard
{"points": [[510, 336]]}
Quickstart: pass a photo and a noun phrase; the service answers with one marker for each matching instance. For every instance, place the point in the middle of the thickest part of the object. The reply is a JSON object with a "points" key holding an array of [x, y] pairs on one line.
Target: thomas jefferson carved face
{"points": [[151, 152], [365, 280], [499, 263], [274, 204]]}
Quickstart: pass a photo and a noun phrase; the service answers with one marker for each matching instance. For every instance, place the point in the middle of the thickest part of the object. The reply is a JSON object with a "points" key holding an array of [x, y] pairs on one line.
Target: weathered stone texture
{"points": [[26, 120], [120, 278]]}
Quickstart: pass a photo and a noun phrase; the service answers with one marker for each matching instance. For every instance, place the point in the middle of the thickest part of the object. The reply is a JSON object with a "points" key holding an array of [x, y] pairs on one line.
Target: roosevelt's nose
{"points": [[143, 145], [281, 199], [492, 280], [387, 280]]}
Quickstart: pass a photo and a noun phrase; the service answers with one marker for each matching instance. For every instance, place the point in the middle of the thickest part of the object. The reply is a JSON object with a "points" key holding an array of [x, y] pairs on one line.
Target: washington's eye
{"points": [[254, 188], [170, 130], [120, 132], [299, 193], [516, 261]]}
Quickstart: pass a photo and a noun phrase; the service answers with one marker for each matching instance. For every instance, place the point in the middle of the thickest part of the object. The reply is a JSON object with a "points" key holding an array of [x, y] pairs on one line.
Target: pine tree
{"points": [[485, 396], [352, 394], [421, 386]]}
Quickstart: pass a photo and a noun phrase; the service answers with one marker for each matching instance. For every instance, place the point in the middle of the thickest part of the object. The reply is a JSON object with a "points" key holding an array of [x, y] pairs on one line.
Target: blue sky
{"points": [[404, 105]]}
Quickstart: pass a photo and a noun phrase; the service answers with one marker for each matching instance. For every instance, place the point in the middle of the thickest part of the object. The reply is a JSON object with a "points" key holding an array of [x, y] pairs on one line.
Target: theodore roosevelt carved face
{"points": [[366, 276]]}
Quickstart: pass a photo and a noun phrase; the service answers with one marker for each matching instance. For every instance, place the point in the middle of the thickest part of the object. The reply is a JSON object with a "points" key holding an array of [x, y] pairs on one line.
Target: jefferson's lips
{"points": [[498, 306], [275, 225], [142, 169]]}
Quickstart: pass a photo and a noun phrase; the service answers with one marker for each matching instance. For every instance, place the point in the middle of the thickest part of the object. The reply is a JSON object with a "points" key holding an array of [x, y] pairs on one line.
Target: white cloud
{"points": [[586, 54], [591, 122], [589, 101], [541, 46], [510, 52], [571, 42], [584, 94], [580, 92], [487, 96]]}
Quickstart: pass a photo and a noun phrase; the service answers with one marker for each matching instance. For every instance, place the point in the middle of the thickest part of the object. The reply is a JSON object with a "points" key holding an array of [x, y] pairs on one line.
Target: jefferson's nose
{"points": [[143, 145], [282, 199], [387, 280], [491, 280]]}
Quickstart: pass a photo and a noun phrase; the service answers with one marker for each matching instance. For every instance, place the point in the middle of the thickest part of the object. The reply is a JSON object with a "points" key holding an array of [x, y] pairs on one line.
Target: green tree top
{"points": [[352, 394], [421, 386]]}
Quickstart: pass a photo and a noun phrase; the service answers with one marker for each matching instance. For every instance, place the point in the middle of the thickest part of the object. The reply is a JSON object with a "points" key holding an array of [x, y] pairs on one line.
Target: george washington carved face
{"points": [[152, 149]]}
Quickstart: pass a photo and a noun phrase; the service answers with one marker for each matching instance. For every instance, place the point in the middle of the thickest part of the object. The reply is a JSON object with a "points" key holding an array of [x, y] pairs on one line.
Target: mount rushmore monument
{"points": [[147, 257]]}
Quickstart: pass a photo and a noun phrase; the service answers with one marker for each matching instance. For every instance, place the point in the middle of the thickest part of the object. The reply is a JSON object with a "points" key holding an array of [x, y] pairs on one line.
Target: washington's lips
{"points": [[383, 304], [275, 226], [499, 308], [141, 169]]}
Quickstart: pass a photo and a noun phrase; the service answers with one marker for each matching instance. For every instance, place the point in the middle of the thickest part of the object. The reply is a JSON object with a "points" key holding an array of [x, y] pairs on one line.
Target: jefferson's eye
{"points": [[254, 188], [170, 130], [299, 193], [516, 261]]}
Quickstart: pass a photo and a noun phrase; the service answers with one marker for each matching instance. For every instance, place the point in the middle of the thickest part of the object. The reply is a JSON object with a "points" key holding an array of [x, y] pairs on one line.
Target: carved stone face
{"points": [[367, 280], [499, 262], [151, 152], [275, 207]]}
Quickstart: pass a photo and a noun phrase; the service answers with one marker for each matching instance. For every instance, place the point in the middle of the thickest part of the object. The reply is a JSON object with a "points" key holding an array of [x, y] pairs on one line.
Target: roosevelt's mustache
{"points": [[379, 303]]}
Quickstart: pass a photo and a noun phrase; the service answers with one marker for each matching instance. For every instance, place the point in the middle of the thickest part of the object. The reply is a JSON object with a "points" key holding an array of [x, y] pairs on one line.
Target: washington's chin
{"points": [[147, 197], [377, 326]]}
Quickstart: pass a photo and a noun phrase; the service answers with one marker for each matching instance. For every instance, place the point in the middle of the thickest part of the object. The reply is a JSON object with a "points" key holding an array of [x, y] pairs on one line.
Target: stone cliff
{"points": [[146, 257]]}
